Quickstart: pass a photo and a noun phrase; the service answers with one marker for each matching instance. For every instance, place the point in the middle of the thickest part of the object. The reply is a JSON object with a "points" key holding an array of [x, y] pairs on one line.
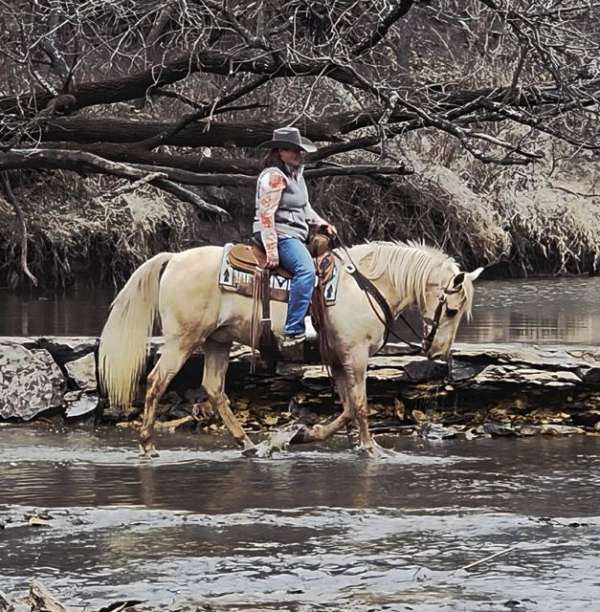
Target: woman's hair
{"points": [[273, 159]]}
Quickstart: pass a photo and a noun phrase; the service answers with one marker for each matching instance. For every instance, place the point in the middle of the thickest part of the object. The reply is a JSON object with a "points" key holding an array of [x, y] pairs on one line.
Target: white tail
{"points": [[122, 352]]}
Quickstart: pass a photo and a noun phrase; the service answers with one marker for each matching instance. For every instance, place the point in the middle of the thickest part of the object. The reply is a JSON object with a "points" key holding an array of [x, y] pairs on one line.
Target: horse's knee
{"points": [[216, 397], [362, 412]]}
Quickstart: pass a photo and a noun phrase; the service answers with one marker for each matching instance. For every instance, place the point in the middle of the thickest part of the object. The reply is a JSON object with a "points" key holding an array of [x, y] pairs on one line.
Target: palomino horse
{"points": [[196, 314]]}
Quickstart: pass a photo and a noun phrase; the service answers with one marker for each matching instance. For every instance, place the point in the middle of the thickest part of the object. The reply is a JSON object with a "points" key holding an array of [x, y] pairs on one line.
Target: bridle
{"points": [[430, 325]]}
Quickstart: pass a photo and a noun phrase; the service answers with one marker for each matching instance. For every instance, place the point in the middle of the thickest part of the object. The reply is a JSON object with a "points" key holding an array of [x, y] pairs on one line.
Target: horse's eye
{"points": [[451, 312]]}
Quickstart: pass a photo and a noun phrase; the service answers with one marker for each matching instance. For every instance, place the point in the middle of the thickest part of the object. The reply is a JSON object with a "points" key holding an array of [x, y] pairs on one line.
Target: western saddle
{"points": [[251, 258]]}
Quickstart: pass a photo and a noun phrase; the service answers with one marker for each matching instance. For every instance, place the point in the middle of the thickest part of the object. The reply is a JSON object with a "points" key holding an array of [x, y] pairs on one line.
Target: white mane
{"points": [[408, 267]]}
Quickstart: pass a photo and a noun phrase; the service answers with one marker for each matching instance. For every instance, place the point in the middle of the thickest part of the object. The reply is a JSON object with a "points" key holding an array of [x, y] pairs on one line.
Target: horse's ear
{"points": [[458, 280], [473, 276]]}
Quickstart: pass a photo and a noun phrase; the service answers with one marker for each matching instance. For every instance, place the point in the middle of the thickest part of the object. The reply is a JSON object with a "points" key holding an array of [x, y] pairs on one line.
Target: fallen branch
{"points": [[192, 198], [42, 600], [130, 186], [357, 170], [80, 161], [502, 552]]}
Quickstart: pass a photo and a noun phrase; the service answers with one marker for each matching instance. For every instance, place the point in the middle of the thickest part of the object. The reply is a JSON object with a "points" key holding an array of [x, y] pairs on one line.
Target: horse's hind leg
{"points": [[216, 362], [174, 353]]}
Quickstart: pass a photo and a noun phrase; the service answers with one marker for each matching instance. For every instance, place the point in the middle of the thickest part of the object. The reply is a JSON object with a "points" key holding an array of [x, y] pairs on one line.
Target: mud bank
{"points": [[504, 389]]}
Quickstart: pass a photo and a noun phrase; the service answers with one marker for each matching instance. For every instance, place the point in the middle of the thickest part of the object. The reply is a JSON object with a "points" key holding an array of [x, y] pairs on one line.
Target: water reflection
{"points": [[542, 311], [311, 530], [80, 311]]}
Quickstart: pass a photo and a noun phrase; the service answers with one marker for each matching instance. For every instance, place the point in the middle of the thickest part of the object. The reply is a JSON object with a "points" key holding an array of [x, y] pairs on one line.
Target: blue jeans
{"points": [[295, 258]]}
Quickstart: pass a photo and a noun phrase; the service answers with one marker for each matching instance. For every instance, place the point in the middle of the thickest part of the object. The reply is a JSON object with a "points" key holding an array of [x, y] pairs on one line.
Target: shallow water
{"points": [[317, 528], [561, 310]]}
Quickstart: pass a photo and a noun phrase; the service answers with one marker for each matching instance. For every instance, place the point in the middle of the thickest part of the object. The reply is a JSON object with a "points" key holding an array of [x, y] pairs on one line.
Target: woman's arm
{"points": [[270, 188]]}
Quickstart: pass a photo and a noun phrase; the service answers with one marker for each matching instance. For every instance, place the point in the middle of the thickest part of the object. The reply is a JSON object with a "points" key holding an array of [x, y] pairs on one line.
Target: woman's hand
{"points": [[272, 260]]}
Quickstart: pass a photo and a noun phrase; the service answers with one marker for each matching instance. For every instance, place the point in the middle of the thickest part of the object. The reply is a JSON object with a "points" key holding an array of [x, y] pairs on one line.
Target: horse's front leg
{"points": [[322, 431], [356, 376]]}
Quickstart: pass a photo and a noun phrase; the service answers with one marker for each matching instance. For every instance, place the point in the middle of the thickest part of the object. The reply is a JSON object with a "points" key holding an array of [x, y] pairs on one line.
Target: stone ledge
{"points": [[479, 374]]}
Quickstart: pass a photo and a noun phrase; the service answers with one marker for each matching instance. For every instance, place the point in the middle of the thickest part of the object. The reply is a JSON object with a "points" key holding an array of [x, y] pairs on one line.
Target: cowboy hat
{"points": [[286, 137]]}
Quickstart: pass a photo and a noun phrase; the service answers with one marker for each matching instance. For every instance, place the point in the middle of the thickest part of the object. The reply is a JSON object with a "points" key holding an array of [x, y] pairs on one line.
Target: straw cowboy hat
{"points": [[286, 137]]}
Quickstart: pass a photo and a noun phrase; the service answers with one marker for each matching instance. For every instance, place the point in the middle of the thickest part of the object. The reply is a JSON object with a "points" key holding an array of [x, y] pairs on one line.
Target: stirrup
{"points": [[289, 342]]}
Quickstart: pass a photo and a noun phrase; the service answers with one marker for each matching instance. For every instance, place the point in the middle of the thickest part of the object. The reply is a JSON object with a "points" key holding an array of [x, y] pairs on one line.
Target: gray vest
{"points": [[290, 216]]}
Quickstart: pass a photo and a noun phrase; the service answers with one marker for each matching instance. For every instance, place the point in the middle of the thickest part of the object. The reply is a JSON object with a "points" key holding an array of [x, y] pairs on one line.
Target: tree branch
{"points": [[22, 227], [382, 27], [87, 162]]}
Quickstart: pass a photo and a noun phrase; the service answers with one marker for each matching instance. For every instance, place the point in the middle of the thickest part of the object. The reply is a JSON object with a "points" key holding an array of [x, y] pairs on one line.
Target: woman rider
{"points": [[282, 220]]}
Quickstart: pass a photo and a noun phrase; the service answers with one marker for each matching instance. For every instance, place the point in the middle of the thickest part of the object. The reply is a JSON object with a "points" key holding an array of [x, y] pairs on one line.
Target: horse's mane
{"points": [[408, 266]]}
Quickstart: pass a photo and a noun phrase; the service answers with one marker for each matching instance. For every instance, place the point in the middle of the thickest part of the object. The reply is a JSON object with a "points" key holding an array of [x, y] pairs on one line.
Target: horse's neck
{"points": [[398, 300], [395, 279]]}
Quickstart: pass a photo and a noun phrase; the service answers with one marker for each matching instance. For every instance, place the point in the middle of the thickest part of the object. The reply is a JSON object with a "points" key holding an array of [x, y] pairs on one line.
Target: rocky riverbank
{"points": [[487, 389]]}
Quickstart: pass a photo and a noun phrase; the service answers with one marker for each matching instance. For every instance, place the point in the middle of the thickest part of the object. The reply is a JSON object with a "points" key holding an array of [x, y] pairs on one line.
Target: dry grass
{"points": [[539, 220], [75, 235]]}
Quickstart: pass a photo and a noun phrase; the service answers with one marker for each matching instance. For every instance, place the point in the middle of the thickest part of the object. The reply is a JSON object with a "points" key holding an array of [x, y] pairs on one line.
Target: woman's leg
{"points": [[294, 257]]}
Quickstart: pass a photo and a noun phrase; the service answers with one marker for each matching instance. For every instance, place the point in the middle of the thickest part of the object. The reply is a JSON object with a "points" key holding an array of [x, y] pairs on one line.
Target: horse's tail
{"points": [[122, 351]]}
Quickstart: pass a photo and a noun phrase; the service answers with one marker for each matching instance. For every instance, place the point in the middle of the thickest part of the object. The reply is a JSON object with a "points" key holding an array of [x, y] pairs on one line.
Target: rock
{"points": [[65, 349], [391, 375], [501, 375], [460, 370], [472, 433], [419, 417], [529, 430], [82, 372], [29, 342], [30, 382], [551, 429], [436, 431], [542, 415], [79, 403], [425, 370], [589, 374], [586, 419], [498, 429]]}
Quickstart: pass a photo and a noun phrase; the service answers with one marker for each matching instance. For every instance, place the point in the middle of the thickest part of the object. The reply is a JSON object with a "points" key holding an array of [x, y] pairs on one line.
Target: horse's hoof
{"points": [[148, 451], [249, 451], [364, 451], [264, 450], [374, 451]]}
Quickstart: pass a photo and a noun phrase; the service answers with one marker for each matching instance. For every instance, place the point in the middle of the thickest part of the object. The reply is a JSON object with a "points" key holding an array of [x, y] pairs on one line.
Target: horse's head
{"points": [[448, 296]]}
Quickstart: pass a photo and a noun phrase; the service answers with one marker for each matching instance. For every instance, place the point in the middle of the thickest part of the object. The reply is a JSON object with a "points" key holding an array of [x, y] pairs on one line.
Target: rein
{"points": [[434, 323], [372, 292]]}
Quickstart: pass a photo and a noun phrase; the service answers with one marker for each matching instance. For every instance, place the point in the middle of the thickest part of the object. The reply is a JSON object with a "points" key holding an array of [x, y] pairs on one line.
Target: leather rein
{"points": [[430, 325]]}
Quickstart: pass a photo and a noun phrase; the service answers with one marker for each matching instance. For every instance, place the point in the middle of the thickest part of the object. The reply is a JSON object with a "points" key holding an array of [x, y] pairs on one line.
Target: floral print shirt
{"points": [[270, 188]]}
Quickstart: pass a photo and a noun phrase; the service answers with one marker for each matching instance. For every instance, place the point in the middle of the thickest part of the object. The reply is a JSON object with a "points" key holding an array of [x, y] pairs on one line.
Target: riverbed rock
{"points": [[587, 419], [498, 375], [79, 403], [520, 378], [30, 382], [65, 349], [82, 372]]}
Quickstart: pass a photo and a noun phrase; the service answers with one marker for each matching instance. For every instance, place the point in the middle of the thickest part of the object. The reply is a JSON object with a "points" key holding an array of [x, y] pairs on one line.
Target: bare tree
{"points": [[354, 75]]}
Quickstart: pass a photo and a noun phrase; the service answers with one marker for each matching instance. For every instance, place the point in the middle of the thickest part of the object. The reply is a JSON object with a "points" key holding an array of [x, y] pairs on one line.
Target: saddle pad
{"points": [[239, 281]]}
